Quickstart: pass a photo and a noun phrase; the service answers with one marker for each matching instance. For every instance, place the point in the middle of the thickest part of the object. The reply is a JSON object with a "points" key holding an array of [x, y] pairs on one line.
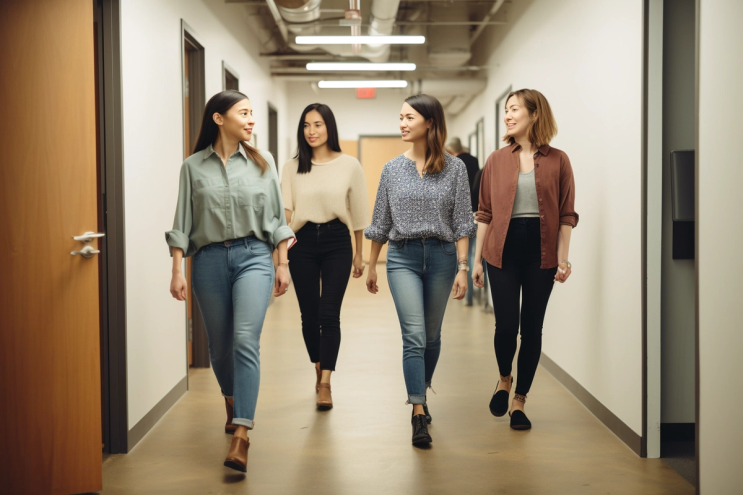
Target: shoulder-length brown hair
{"points": [[221, 103], [431, 110], [543, 127]]}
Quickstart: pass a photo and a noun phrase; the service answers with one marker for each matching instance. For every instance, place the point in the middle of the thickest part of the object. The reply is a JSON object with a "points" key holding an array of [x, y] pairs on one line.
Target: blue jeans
{"points": [[421, 274], [232, 283]]}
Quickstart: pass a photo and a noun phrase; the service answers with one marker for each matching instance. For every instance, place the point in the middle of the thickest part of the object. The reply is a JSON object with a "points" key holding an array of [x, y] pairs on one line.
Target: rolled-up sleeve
{"points": [[276, 228], [358, 200], [485, 208], [178, 237], [463, 224], [381, 223], [568, 215]]}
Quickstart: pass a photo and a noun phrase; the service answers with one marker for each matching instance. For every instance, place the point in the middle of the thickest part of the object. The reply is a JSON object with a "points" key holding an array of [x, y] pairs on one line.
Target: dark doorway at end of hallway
{"points": [[273, 133], [230, 79], [678, 449]]}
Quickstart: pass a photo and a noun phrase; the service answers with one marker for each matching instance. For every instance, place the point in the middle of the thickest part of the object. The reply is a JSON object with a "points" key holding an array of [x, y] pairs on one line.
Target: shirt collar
{"points": [[544, 149], [210, 149]]}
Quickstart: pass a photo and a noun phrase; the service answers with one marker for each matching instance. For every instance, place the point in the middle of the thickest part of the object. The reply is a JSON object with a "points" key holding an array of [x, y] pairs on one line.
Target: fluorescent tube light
{"points": [[360, 40], [363, 84], [359, 66]]}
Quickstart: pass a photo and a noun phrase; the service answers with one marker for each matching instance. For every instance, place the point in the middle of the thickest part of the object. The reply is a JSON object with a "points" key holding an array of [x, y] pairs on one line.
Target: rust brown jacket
{"points": [[555, 192]]}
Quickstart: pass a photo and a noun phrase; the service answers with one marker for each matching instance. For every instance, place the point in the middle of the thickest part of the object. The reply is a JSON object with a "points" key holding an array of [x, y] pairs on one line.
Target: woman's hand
{"points": [[178, 286], [371, 281], [460, 285], [478, 276], [281, 285], [563, 272], [358, 266]]}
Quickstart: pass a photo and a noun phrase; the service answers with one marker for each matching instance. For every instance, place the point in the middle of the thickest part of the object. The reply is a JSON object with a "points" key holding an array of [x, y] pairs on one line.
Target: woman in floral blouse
{"points": [[423, 208]]}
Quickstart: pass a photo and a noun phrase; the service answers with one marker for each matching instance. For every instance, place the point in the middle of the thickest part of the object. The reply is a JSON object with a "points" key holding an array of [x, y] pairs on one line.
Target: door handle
{"points": [[86, 252], [88, 236]]}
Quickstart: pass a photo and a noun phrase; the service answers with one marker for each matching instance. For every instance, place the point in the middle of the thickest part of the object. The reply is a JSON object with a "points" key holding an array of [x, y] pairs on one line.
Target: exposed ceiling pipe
{"points": [[494, 10], [298, 11]]}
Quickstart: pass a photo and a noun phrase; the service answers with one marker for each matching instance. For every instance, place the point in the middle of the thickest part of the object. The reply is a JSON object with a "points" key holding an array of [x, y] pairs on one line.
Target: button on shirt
{"points": [[409, 206], [553, 177], [219, 202]]}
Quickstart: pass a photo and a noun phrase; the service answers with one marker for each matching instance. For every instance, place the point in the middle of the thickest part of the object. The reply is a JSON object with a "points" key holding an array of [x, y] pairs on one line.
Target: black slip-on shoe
{"points": [[519, 421]]}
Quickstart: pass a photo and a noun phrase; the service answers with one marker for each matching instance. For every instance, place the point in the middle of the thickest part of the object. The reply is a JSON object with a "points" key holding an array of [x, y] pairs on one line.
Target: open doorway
{"points": [[230, 79], [273, 133], [194, 100]]}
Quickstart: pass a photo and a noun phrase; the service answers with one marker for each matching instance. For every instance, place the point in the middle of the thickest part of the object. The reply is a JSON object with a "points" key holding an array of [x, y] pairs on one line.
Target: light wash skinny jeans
{"points": [[232, 284], [421, 273]]}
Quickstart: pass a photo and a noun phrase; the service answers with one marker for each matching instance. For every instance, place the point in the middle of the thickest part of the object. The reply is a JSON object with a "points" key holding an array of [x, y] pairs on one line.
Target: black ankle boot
{"points": [[420, 430]]}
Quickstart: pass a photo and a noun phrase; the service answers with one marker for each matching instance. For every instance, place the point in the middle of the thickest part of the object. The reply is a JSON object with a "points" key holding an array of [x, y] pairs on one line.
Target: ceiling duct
{"points": [[299, 11], [448, 45]]}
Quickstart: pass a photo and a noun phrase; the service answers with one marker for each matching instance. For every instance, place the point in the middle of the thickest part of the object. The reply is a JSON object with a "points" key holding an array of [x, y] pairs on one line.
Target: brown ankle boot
{"points": [[229, 405], [324, 400], [237, 457]]}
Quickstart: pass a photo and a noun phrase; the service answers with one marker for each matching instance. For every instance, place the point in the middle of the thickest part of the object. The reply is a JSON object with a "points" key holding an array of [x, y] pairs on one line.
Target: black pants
{"points": [[520, 275], [320, 265]]}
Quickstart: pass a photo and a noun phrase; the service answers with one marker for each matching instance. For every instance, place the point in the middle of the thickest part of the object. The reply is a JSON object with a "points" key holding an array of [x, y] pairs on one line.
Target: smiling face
{"points": [[413, 125], [516, 118], [315, 131], [238, 121]]}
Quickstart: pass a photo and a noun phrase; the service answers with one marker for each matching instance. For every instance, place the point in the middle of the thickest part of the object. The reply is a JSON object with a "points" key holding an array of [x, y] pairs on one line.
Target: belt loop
{"points": [[245, 241]]}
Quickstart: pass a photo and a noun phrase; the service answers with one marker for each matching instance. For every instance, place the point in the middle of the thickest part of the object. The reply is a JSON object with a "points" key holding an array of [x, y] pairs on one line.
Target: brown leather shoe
{"points": [[237, 457], [324, 400], [229, 404], [318, 371]]}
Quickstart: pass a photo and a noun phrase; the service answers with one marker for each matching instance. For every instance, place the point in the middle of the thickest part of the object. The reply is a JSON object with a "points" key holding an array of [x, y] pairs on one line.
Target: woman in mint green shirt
{"points": [[230, 217]]}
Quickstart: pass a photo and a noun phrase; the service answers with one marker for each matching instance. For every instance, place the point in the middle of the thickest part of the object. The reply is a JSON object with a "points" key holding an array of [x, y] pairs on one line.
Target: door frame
{"points": [[225, 69], [113, 253]]}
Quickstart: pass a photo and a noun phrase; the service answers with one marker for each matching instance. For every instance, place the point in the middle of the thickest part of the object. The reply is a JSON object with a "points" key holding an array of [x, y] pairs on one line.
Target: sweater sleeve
{"points": [[178, 236], [287, 193], [358, 199], [463, 222]]}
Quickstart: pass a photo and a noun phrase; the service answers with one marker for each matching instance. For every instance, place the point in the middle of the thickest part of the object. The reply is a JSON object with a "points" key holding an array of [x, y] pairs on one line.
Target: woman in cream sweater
{"points": [[325, 199]]}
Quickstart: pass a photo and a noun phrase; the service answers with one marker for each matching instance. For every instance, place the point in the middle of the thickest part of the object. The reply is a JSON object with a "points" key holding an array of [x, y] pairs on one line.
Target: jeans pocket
{"points": [[200, 252], [397, 245], [449, 248], [256, 247]]}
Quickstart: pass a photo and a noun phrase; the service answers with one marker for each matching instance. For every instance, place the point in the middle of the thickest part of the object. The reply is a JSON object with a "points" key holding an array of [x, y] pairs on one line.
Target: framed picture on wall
{"points": [[480, 151], [472, 144]]}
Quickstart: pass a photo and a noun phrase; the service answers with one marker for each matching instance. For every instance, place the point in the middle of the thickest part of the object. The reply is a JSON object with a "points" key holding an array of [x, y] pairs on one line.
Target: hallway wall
{"points": [[153, 154], [586, 57], [720, 235]]}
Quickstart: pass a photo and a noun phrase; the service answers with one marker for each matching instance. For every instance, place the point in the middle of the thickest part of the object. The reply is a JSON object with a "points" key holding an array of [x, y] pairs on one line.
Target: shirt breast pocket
{"points": [[250, 193], [208, 193]]}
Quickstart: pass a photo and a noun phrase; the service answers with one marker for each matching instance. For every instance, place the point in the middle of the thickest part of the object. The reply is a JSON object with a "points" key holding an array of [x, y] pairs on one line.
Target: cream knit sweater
{"points": [[334, 189]]}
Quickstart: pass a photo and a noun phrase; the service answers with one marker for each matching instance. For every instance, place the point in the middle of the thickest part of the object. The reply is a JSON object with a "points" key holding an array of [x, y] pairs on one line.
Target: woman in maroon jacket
{"points": [[525, 219]]}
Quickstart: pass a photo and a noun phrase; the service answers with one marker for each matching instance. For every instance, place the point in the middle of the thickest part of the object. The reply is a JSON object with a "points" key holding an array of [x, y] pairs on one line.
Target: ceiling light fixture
{"points": [[360, 40], [363, 84], [359, 66]]}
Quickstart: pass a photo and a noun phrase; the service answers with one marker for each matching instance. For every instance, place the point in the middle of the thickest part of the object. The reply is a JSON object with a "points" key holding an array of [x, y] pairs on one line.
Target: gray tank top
{"points": [[526, 205]]}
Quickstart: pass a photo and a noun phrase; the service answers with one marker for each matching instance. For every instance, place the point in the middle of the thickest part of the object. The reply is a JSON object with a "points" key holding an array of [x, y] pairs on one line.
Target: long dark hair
{"points": [[304, 150], [221, 103], [430, 108]]}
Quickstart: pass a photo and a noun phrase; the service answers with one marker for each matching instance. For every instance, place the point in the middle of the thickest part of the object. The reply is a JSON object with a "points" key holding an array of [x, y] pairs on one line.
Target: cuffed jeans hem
{"points": [[247, 423], [416, 399], [228, 396]]}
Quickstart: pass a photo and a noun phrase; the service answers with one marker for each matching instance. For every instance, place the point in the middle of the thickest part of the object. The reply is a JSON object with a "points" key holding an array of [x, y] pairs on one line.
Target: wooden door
{"points": [[50, 397], [374, 153]]}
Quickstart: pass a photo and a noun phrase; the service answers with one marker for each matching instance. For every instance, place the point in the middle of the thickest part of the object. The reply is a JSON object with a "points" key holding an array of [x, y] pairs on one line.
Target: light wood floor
{"points": [[362, 445]]}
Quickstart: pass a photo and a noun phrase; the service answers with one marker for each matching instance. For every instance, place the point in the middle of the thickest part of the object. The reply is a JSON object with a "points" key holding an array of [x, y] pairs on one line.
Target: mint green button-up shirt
{"points": [[219, 202]]}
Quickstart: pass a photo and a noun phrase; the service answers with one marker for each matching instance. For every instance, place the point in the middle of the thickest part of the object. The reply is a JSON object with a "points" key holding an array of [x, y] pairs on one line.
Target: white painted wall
{"points": [[720, 235], [354, 117], [586, 57], [153, 154]]}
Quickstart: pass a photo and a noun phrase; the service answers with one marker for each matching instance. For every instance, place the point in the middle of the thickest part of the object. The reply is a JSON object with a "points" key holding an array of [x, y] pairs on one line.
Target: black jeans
{"points": [[520, 275], [320, 265]]}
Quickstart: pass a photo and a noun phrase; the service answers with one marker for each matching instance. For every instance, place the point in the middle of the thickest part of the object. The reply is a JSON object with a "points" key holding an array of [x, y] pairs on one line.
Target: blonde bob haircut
{"points": [[542, 128]]}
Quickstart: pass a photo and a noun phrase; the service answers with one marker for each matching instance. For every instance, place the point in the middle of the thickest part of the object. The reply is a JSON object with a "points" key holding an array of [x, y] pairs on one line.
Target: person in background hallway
{"points": [[473, 167], [230, 217], [325, 198], [423, 208], [525, 219]]}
